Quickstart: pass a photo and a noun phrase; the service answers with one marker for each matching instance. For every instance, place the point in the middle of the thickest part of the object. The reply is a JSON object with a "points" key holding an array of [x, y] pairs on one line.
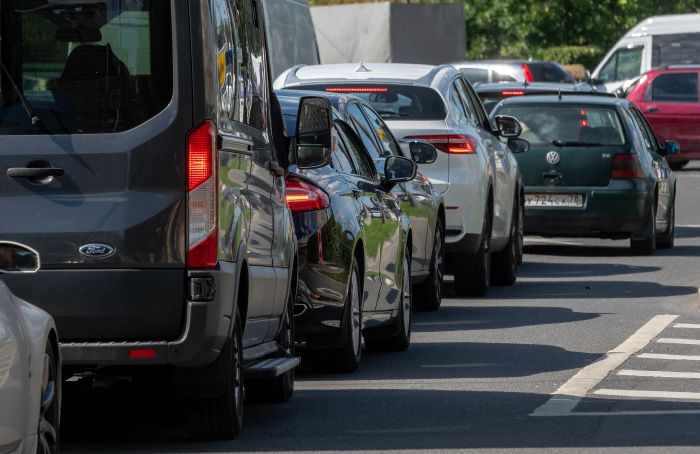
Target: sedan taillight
{"points": [[303, 196], [451, 143], [626, 167]]}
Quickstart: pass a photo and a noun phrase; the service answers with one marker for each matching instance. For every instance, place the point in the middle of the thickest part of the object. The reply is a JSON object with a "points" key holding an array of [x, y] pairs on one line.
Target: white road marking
{"points": [[687, 325], [458, 384], [565, 399], [641, 394], [669, 340], [634, 413], [529, 241], [658, 374], [671, 357]]}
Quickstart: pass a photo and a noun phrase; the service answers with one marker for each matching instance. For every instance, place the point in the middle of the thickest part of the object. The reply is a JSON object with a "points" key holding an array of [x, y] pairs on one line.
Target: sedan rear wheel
{"points": [[504, 266], [50, 399], [473, 273], [645, 244]]}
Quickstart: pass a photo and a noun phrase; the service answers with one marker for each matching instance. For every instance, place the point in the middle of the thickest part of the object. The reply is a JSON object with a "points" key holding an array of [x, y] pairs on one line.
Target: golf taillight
{"points": [[202, 244], [626, 167], [528, 74], [303, 196], [451, 143]]}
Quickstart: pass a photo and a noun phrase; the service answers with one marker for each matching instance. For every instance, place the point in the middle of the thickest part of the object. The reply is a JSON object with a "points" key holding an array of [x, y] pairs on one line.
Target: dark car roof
{"points": [[566, 99]]}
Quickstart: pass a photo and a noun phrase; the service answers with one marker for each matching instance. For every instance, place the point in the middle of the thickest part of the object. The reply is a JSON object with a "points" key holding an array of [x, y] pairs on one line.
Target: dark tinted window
{"points": [[110, 73], [544, 124], [364, 130], [386, 139], [254, 73], [363, 164], [675, 87], [675, 49], [549, 72], [340, 158], [393, 102], [623, 64], [475, 75]]}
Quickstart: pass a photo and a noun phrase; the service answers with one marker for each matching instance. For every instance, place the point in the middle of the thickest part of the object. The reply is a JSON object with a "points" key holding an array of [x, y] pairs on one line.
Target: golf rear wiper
{"points": [[26, 105], [564, 143]]}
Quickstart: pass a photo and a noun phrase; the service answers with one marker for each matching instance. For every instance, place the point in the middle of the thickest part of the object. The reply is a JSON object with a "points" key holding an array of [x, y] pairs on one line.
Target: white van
{"points": [[656, 41]]}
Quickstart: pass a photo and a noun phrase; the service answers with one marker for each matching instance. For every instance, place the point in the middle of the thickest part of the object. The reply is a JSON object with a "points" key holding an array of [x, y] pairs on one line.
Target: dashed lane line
{"points": [[565, 399], [658, 374], [643, 394], [669, 340], [665, 356], [687, 325]]}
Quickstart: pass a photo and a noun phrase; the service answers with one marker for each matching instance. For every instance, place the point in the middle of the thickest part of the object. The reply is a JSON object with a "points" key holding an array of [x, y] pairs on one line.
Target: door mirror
{"points": [[313, 135], [508, 127], [17, 258], [398, 169], [423, 153], [672, 148], [518, 145]]}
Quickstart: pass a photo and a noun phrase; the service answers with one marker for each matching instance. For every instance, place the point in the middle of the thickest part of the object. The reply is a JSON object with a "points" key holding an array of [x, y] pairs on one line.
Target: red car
{"points": [[669, 99]]}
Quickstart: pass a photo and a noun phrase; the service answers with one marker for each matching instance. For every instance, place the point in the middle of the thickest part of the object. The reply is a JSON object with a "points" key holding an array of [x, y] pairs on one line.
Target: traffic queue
{"points": [[174, 210]]}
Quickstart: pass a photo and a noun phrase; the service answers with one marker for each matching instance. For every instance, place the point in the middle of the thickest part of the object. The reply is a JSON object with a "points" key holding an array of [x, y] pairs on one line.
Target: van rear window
{"points": [[392, 101], [77, 67]]}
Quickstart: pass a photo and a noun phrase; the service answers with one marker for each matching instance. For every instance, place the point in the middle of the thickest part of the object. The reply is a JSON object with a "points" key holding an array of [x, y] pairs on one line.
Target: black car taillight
{"points": [[303, 196]]}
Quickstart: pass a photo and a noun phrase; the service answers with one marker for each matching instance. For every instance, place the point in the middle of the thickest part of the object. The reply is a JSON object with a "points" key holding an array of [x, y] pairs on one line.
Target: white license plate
{"points": [[554, 200]]}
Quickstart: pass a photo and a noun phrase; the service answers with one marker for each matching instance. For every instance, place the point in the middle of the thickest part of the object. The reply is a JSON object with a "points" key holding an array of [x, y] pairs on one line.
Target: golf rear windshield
{"points": [[78, 67], [565, 124], [393, 102]]}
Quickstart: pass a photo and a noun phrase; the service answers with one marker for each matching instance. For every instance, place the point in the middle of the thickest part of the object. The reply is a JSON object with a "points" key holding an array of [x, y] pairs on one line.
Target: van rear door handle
{"points": [[34, 172]]}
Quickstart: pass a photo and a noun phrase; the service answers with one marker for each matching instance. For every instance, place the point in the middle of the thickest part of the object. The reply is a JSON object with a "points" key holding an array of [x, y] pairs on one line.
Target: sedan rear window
{"points": [[393, 102], [75, 67], [568, 125]]}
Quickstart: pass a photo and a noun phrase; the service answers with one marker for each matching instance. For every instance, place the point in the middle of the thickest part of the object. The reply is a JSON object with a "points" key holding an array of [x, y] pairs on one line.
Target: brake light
{"points": [[452, 143], [512, 93], [303, 196], [357, 89], [202, 239], [626, 167], [143, 353], [528, 74]]}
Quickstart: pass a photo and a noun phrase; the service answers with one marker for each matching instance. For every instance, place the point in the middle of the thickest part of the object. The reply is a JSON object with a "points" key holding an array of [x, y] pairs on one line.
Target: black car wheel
{"points": [[504, 266], [429, 292], [666, 240], [521, 229], [50, 404], [277, 389], [401, 339], [346, 358], [220, 417], [473, 273], [677, 165], [645, 244]]}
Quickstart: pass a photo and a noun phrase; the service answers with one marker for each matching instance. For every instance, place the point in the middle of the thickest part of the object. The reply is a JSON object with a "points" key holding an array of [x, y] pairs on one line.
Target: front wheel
{"points": [[429, 292], [677, 165]]}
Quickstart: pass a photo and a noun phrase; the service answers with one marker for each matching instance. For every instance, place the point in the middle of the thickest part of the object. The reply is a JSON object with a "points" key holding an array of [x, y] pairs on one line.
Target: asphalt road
{"points": [[481, 373]]}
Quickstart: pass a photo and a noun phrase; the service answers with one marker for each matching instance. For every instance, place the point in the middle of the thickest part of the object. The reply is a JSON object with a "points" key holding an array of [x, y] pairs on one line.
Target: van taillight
{"points": [[202, 244], [303, 196], [626, 167], [451, 143]]}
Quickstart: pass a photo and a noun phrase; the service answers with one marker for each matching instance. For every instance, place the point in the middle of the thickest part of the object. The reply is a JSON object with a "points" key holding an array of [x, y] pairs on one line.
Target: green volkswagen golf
{"points": [[594, 169]]}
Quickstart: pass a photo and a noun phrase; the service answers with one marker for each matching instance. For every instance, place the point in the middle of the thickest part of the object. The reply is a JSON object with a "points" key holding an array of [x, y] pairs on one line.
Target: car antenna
{"points": [[560, 98], [362, 68]]}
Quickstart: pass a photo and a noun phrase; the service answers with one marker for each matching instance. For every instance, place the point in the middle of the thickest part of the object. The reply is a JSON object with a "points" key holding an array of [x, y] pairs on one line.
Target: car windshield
{"points": [[393, 102], [76, 67], [567, 125]]}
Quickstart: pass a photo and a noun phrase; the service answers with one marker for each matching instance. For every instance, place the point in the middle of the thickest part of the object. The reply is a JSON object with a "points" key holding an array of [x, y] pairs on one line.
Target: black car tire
{"points": [[472, 275], [278, 389], [667, 240], [220, 417], [48, 430], [521, 229], [346, 358], [428, 295], [677, 165], [402, 339], [646, 244], [504, 265]]}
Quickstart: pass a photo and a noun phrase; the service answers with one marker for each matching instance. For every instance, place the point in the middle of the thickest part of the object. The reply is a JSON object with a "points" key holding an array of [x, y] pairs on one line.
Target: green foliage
{"points": [[571, 31]]}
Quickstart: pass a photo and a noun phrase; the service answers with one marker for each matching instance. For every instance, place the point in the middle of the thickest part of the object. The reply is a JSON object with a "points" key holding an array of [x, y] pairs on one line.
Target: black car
{"points": [[492, 93], [138, 159], [354, 240]]}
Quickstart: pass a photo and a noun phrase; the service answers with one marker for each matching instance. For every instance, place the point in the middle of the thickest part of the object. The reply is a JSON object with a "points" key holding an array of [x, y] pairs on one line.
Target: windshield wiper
{"points": [[26, 105], [563, 143]]}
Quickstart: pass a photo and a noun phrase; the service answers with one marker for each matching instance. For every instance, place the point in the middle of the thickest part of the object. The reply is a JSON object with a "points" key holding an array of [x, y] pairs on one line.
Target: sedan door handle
{"points": [[34, 172], [652, 109]]}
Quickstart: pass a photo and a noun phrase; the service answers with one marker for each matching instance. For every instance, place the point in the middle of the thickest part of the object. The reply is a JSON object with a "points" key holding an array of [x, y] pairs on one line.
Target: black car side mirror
{"points": [[508, 127], [18, 258], [398, 169], [423, 153], [518, 145], [671, 148], [313, 137]]}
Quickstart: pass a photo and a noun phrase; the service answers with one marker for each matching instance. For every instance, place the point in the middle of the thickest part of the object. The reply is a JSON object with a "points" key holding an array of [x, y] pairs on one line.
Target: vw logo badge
{"points": [[96, 250], [553, 158]]}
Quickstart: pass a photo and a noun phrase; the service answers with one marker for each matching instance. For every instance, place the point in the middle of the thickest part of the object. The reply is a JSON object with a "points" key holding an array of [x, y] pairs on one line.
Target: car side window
{"points": [[648, 144], [464, 97], [655, 143], [623, 64], [384, 135], [364, 129], [674, 88], [476, 104], [340, 158], [225, 43], [363, 163], [457, 105]]}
